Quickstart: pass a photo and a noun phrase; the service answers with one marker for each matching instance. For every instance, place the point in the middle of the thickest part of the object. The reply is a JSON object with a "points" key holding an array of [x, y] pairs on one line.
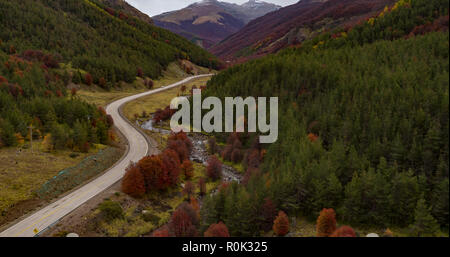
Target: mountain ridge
{"points": [[210, 21], [293, 24]]}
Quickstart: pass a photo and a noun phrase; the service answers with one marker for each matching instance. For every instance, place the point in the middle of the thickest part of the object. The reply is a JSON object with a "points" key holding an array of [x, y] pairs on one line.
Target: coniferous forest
{"points": [[364, 126]]}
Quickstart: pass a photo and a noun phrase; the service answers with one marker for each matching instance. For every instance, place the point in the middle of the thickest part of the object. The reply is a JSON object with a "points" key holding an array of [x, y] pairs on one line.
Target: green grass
{"points": [[21, 173], [151, 103]]}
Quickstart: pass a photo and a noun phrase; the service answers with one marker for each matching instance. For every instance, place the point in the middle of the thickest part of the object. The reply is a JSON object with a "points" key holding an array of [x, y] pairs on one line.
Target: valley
{"points": [[362, 125]]}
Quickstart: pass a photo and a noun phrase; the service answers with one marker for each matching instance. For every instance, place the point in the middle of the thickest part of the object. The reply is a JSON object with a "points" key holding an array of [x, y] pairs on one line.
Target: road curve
{"points": [[137, 148]]}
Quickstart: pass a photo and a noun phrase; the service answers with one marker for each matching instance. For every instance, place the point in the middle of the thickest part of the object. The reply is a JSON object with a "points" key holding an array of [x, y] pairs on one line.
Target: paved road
{"points": [[138, 148]]}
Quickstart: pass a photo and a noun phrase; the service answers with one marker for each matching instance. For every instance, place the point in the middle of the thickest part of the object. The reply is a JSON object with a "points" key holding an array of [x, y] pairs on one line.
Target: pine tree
{"points": [[440, 207], [424, 224]]}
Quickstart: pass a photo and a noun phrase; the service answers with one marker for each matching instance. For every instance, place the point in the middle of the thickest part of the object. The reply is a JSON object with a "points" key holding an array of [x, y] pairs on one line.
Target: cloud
{"points": [[155, 7]]}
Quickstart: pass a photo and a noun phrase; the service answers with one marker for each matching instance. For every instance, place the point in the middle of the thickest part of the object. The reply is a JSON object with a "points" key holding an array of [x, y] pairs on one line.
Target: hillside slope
{"points": [[109, 45], [294, 24], [209, 21], [363, 127], [123, 6]]}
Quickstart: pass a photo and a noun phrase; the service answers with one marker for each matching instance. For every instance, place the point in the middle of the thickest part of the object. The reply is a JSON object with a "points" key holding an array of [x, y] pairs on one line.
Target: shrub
{"points": [[111, 210], [88, 80]]}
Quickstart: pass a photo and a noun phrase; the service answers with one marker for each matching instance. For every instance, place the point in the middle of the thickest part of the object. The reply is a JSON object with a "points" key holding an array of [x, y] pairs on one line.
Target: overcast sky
{"points": [[155, 7]]}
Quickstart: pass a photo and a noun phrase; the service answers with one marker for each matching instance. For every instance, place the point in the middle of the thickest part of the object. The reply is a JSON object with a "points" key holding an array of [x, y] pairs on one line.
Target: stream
{"points": [[199, 153]]}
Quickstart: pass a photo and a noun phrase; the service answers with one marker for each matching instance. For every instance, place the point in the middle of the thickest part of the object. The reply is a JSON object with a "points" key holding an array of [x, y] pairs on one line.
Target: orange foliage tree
{"points": [[151, 167], [188, 169], [326, 223], [344, 231], [133, 182], [281, 224], [217, 230]]}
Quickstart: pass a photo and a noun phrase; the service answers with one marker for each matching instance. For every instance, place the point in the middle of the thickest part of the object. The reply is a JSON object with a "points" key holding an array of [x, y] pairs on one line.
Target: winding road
{"points": [[137, 148]]}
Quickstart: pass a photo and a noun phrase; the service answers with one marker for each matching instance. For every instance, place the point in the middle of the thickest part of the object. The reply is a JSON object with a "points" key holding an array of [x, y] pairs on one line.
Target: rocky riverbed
{"points": [[199, 152]]}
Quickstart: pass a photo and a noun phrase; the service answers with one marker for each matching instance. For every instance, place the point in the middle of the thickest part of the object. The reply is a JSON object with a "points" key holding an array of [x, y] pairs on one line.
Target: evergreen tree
{"points": [[424, 224]]}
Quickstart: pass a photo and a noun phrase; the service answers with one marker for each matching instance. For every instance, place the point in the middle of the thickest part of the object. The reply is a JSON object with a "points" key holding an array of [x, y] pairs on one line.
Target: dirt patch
{"points": [[20, 209]]}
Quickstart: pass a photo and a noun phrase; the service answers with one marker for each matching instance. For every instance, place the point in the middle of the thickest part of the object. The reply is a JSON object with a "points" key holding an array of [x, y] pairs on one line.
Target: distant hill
{"points": [[293, 24], [209, 21]]}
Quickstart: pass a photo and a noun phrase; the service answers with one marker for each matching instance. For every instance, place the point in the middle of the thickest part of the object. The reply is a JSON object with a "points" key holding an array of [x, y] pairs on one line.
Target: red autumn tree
{"points": [[236, 155], [171, 168], [73, 92], [151, 167], [195, 205], [88, 80], [344, 231], [148, 83], [140, 73], [181, 223], [326, 223], [253, 159], [214, 168], [226, 153], [281, 224], [202, 186], [217, 230], [133, 182], [188, 169], [188, 189], [102, 82], [109, 120], [181, 144], [312, 137], [268, 213]]}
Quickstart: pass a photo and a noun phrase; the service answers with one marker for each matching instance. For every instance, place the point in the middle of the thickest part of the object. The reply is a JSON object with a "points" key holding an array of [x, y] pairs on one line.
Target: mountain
{"points": [[293, 24], [209, 21]]}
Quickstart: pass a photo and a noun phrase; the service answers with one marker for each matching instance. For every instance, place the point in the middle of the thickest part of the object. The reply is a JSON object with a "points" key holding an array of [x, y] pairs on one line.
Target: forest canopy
{"points": [[364, 123]]}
